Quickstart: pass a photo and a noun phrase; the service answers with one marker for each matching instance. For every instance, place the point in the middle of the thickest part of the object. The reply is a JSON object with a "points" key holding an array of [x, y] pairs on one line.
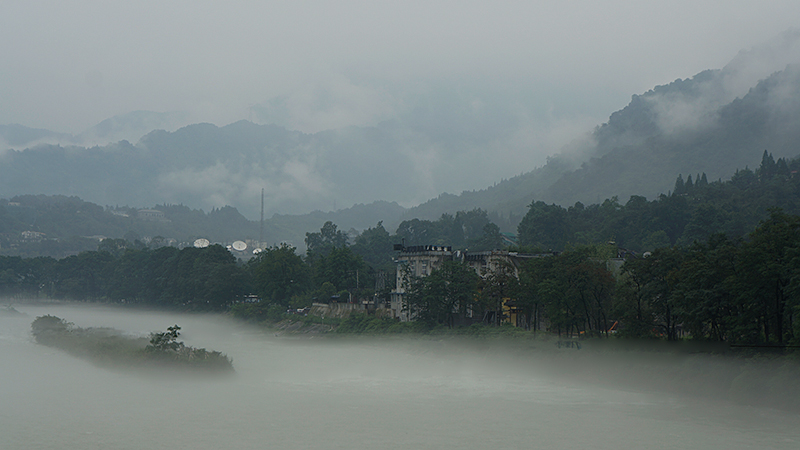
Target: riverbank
{"points": [[686, 369]]}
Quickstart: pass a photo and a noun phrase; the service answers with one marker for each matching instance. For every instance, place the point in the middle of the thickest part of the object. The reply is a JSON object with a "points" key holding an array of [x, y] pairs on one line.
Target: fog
{"points": [[306, 392], [519, 79], [70, 66], [680, 111]]}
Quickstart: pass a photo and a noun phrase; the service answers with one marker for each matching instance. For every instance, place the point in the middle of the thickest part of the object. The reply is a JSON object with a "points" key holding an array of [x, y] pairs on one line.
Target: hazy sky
{"points": [[484, 90], [68, 65]]}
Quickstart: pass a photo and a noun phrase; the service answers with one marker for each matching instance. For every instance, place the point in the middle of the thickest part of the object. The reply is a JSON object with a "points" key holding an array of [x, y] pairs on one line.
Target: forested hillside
{"points": [[57, 226], [694, 210], [70, 224], [695, 125], [721, 141]]}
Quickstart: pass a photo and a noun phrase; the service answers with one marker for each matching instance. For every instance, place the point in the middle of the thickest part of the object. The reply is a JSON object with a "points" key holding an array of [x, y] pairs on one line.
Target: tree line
{"points": [[129, 271], [742, 290], [693, 211], [697, 267]]}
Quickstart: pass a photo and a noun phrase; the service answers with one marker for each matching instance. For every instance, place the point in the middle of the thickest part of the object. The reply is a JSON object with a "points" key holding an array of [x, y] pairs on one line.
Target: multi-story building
{"points": [[421, 260], [415, 261]]}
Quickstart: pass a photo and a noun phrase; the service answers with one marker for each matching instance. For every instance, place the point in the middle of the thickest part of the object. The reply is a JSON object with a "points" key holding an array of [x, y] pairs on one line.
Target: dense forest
{"points": [[710, 260], [741, 290], [695, 210]]}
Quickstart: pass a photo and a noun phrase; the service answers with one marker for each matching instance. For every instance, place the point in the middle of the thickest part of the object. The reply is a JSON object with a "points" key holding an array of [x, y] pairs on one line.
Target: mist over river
{"points": [[304, 393]]}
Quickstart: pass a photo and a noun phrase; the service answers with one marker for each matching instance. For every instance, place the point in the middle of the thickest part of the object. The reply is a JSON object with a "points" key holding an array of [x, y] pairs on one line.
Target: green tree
{"points": [[498, 285], [446, 296], [708, 279], [322, 242], [490, 239], [165, 342], [375, 246], [544, 226], [279, 273], [771, 263], [655, 280]]}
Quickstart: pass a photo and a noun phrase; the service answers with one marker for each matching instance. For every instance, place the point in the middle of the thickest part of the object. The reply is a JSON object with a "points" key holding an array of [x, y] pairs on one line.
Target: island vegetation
{"points": [[110, 347]]}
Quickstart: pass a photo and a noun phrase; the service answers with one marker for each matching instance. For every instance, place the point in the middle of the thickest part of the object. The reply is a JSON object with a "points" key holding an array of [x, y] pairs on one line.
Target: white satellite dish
{"points": [[201, 243], [239, 246]]}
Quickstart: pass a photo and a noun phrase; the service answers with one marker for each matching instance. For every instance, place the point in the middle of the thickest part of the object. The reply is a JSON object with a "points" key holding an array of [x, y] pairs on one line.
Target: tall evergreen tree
{"points": [[679, 188]]}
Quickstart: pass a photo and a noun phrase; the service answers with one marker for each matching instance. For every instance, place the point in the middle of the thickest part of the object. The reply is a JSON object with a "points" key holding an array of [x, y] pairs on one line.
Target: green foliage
{"points": [[321, 243], [738, 291], [62, 219], [47, 329], [693, 213], [199, 279], [489, 331], [574, 290], [166, 341], [467, 229], [446, 296], [326, 291], [343, 269], [490, 239], [109, 346], [497, 286], [376, 247], [278, 274], [189, 279], [544, 226]]}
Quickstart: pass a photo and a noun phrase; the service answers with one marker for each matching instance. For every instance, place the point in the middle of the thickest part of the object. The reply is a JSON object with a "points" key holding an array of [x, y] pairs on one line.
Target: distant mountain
{"points": [[714, 122], [208, 166], [124, 127], [732, 136], [58, 222], [16, 136], [131, 127]]}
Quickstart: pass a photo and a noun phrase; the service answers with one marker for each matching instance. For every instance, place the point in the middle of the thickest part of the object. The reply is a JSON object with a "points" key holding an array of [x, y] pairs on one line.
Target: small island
{"points": [[107, 346]]}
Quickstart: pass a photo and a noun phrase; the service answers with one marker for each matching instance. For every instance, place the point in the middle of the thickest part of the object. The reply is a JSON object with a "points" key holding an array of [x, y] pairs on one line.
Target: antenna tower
{"points": [[261, 230]]}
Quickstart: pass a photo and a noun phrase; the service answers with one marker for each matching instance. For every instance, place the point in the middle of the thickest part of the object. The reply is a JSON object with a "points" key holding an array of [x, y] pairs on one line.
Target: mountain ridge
{"points": [[713, 122]]}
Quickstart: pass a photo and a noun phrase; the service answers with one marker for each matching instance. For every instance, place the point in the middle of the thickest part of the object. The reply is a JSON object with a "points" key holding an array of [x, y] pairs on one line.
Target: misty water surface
{"points": [[301, 393]]}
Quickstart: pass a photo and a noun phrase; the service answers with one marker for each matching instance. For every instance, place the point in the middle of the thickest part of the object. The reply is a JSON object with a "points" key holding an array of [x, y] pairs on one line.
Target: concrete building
{"points": [[415, 261], [421, 260], [153, 215]]}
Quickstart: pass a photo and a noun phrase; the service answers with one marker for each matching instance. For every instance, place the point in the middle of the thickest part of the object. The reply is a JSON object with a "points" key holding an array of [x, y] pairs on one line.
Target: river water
{"points": [[303, 393]]}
